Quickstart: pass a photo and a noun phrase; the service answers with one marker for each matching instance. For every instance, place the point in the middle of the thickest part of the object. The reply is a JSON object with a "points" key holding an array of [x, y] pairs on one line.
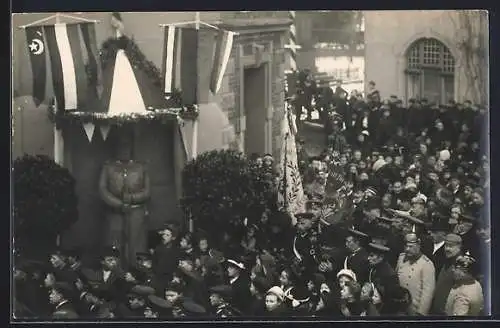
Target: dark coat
{"points": [[241, 297], [113, 290], [438, 259], [444, 284], [358, 263], [165, 262], [384, 278]]}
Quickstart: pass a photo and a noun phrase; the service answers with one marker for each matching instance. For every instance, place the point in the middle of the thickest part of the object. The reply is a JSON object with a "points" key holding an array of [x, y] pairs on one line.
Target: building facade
{"points": [[245, 114], [436, 54]]}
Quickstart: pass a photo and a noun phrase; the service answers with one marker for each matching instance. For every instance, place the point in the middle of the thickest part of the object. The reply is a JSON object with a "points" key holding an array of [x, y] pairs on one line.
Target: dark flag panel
{"points": [[37, 52]]}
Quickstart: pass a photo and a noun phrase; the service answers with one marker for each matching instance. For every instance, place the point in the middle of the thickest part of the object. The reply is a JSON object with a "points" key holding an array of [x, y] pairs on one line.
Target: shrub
{"points": [[223, 186], [45, 203]]}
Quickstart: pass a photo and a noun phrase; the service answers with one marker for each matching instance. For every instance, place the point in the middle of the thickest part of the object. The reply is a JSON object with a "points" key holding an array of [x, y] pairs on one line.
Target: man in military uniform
{"points": [[220, 297], [303, 250], [416, 273], [125, 188]]}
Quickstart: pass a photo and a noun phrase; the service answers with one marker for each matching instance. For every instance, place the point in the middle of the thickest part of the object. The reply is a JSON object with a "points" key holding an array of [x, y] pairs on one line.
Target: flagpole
{"points": [[57, 16]]}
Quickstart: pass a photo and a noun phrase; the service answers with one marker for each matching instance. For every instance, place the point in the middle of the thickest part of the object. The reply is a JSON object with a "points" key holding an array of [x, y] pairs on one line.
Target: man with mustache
{"points": [[444, 283]]}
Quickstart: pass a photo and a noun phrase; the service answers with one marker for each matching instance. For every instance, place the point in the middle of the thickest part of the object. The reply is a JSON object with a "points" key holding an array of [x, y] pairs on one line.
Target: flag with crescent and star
{"points": [[37, 51]]}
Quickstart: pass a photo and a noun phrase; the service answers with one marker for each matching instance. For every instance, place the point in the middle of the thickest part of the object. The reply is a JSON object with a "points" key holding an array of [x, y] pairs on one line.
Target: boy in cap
{"points": [[466, 297], [220, 296], [109, 281], [417, 274]]}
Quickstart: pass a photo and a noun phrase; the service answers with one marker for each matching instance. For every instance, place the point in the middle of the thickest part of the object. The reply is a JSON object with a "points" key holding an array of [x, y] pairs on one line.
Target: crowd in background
{"points": [[396, 225]]}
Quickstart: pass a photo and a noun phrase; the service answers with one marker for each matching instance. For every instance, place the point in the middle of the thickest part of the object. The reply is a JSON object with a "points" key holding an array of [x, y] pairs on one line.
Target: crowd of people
{"points": [[395, 225]]}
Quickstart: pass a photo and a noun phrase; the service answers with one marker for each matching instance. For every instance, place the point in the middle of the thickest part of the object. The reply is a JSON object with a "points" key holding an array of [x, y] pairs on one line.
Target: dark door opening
{"points": [[255, 109]]}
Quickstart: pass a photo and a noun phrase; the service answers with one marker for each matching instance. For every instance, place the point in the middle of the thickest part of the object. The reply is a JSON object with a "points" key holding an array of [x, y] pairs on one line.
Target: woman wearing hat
{"points": [[466, 296], [274, 306], [239, 281]]}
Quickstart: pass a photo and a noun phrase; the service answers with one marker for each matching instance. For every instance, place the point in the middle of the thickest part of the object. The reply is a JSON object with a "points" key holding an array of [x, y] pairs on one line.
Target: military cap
{"points": [[222, 290], [142, 290], [377, 247], [465, 262], [110, 251], [304, 216], [412, 238], [407, 216], [193, 308], [358, 234], [453, 238], [439, 225], [159, 302]]}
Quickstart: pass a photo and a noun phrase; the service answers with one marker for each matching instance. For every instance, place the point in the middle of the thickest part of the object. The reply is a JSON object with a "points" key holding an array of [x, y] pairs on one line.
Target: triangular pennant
{"points": [[105, 131], [89, 130]]}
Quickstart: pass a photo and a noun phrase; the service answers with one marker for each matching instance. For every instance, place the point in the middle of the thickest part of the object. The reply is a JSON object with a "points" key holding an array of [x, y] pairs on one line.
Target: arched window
{"points": [[430, 71]]}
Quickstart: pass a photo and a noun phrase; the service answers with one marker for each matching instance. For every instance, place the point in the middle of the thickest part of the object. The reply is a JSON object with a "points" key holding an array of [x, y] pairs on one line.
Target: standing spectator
{"points": [[416, 273]]}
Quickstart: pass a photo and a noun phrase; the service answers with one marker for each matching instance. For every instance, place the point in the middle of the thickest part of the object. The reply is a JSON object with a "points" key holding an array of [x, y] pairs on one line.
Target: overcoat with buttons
{"points": [[419, 278]]}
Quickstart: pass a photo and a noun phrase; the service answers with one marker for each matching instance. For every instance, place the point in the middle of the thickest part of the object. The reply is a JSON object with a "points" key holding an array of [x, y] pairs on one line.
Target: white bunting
{"points": [[104, 131], [68, 67], [126, 98], [89, 130]]}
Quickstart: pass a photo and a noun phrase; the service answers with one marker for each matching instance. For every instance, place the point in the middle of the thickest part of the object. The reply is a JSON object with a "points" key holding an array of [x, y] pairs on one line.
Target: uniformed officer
{"points": [[303, 249], [220, 297], [417, 274]]}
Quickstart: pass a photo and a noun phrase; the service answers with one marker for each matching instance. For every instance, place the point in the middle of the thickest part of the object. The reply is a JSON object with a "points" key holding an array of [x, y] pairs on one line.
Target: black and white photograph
{"points": [[250, 165]]}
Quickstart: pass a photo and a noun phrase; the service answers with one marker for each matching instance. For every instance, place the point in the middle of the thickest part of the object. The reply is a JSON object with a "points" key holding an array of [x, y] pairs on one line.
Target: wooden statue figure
{"points": [[124, 187]]}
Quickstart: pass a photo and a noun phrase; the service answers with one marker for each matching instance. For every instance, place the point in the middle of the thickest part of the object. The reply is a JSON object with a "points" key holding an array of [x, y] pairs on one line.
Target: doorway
{"points": [[254, 86]]}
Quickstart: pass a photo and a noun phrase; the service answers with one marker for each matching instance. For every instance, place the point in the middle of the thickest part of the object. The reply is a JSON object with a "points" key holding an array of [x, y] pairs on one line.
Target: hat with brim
{"points": [[159, 302], [358, 234], [193, 308], [376, 247], [467, 218], [347, 273], [407, 216], [304, 216], [143, 290], [278, 291], [222, 290], [465, 262], [236, 264]]}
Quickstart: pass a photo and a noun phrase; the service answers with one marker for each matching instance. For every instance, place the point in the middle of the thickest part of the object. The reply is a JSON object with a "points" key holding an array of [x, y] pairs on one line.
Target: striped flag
{"points": [[94, 69], [68, 69], [180, 63], [223, 47], [37, 51]]}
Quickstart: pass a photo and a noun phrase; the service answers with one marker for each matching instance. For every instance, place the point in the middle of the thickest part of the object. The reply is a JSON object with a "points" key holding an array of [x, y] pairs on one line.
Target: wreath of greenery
{"points": [[174, 109]]}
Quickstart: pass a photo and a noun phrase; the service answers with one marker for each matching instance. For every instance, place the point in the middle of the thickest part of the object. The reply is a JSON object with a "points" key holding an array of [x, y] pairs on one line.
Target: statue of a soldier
{"points": [[124, 187]]}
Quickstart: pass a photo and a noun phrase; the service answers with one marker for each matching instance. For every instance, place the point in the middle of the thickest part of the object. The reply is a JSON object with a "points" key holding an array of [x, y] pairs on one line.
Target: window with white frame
{"points": [[430, 71]]}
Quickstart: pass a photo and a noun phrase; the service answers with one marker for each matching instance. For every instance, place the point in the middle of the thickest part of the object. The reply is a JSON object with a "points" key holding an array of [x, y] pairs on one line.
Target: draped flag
{"points": [[36, 47], [291, 193], [223, 47], [180, 62], [94, 69], [68, 68]]}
